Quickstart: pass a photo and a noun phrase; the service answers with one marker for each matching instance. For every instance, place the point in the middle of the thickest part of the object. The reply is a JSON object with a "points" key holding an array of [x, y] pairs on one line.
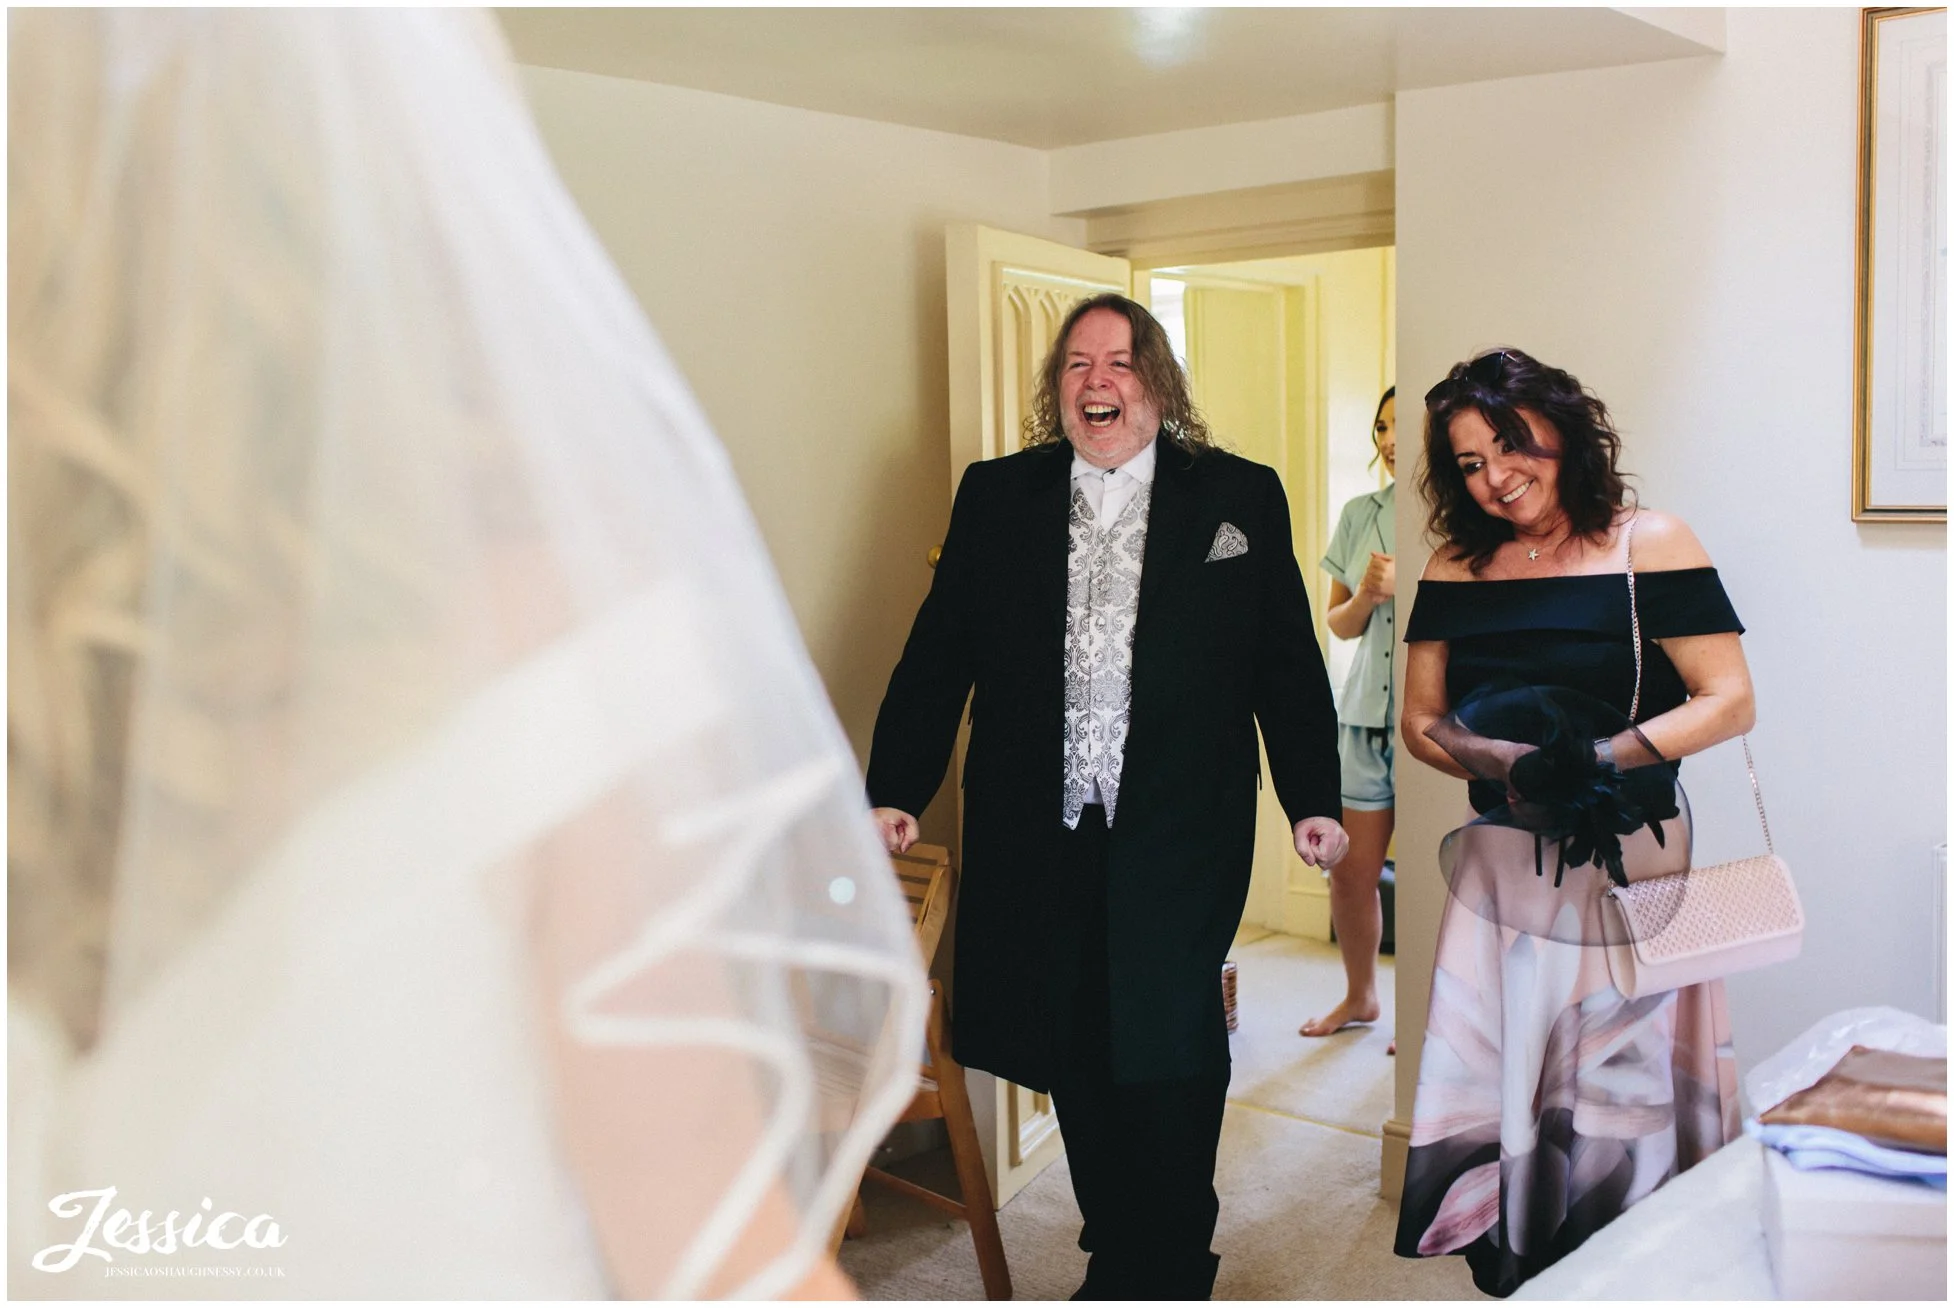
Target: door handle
{"points": [[935, 553]]}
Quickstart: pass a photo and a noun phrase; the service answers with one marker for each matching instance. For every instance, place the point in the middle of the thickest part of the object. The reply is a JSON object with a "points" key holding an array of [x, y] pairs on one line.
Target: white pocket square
{"points": [[1228, 543]]}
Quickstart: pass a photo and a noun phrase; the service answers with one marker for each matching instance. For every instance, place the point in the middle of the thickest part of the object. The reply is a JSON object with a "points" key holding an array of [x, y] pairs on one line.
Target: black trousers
{"points": [[1142, 1155]]}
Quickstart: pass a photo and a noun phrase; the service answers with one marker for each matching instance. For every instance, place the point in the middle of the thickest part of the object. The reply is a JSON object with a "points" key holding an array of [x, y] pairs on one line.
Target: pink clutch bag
{"points": [[1674, 931]]}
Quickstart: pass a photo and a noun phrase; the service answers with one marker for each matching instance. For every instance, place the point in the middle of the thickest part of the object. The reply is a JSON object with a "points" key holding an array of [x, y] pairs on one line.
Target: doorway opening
{"points": [[1288, 358]]}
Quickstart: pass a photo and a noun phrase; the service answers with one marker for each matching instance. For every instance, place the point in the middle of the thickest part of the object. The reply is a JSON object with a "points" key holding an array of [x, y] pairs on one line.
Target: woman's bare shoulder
{"points": [[1443, 565], [1664, 541]]}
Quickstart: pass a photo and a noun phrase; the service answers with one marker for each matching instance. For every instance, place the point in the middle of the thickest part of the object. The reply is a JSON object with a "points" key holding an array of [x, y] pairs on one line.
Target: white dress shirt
{"points": [[1108, 490]]}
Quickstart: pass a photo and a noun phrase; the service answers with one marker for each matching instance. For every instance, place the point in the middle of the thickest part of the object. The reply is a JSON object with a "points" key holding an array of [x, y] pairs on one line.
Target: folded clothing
{"points": [[1811, 1147], [1893, 1099]]}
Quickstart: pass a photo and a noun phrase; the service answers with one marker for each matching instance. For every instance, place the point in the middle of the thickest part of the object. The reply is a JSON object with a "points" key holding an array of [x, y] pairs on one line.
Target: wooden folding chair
{"points": [[927, 882]]}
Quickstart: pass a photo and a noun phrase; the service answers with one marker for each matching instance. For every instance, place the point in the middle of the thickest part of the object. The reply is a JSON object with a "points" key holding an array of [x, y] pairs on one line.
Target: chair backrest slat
{"points": [[924, 871]]}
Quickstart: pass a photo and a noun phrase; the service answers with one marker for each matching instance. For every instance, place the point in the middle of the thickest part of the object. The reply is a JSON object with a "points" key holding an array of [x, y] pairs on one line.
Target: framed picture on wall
{"points": [[1900, 338]]}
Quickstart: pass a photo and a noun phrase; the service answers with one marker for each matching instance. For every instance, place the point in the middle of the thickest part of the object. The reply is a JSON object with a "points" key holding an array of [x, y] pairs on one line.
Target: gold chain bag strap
{"points": [[1677, 930]]}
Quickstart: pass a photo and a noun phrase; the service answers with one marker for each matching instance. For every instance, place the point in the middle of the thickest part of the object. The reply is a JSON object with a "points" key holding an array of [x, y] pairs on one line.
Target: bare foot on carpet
{"points": [[1343, 1015]]}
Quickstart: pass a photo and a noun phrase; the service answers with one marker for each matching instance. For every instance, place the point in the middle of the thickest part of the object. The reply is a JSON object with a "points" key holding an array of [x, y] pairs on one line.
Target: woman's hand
{"points": [[1483, 758], [1380, 581], [897, 829], [1507, 755]]}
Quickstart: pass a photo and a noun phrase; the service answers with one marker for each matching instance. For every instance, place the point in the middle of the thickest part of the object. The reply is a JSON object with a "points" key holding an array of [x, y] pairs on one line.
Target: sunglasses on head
{"points": [[1483, 372]]}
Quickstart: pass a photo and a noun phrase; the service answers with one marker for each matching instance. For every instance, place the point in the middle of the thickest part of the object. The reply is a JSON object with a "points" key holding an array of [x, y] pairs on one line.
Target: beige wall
{"points": [[792, 262], [1680, 236]]}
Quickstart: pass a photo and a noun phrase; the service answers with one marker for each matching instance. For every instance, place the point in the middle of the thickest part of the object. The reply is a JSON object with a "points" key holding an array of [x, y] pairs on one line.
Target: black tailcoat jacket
{"points": [[1218, 647]]}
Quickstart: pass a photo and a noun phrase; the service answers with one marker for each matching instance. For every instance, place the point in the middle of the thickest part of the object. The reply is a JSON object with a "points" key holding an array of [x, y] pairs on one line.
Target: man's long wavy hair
{"points": [[1499, 384], [1153, 360]]}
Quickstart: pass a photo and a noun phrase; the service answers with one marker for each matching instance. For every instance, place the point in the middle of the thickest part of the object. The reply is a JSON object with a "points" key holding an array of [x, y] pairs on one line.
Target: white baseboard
{"points": [[1397, 1150]]}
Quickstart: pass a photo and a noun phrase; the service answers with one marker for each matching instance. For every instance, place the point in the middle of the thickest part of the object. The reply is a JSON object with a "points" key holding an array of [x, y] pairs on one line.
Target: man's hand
{"points": [[898, 830], [1380, 580], [1321, 841]]}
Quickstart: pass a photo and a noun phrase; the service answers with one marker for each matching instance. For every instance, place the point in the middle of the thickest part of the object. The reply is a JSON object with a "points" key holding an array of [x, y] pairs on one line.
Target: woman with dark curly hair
{"points": [[1547, 1102]]}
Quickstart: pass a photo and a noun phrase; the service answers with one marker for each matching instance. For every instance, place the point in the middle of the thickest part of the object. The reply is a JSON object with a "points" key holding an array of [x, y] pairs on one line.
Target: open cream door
{"points": [[1007, 296]]}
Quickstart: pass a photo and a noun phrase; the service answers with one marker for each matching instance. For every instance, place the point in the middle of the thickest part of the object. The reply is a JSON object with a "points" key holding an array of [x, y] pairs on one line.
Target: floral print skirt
{"points": [[1547, 1102]]}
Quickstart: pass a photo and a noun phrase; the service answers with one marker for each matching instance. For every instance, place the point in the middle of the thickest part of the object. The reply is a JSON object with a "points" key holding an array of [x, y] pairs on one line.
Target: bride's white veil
{"points": [[426, 826]]}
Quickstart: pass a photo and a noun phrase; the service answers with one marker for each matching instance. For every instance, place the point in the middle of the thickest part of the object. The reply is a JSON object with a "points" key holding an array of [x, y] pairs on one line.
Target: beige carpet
{"points": [[1300, 1145]]}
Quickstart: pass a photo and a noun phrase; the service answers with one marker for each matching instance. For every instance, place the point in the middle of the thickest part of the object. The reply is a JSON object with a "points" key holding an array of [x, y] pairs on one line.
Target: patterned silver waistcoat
{"points": [[1102, 600]]}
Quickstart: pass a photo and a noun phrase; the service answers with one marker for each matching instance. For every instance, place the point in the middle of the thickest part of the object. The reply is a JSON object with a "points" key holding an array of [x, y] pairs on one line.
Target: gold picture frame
{"points": [[1899, 437]]}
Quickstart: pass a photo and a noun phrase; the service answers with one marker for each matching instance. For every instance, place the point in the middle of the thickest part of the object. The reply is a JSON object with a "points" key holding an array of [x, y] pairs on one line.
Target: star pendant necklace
{"points": [[1533, 551]]}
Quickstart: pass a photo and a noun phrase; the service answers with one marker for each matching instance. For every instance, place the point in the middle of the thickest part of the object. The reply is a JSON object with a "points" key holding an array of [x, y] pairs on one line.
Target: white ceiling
{"points": [[1048, 78]]}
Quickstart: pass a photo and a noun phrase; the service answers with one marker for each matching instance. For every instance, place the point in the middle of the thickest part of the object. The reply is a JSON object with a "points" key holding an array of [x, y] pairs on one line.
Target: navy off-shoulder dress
{"points": [[1547, 1102]]}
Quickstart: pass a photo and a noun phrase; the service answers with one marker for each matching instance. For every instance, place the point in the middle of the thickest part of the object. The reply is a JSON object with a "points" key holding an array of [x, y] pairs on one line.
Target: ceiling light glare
{"points": [[1165, 38]]}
